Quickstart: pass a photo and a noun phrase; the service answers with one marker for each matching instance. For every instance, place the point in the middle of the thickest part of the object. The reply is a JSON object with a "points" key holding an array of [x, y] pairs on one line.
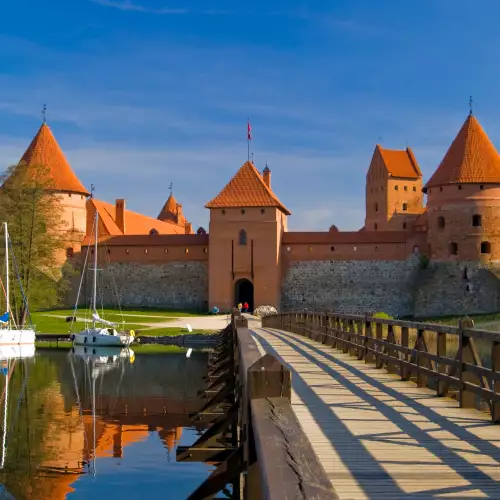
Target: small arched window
{"points": [[375, 227], [414, 188], [476, 220], [485, 247], [376, 207], [453, 248], [405, 207], [404, 225], [440, 222], [153, 232], [242, 240]]}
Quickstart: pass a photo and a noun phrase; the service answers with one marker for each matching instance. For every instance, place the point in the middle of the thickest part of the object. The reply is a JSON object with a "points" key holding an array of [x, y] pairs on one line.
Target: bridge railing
{"points": [[458, 361], [256, 442]]}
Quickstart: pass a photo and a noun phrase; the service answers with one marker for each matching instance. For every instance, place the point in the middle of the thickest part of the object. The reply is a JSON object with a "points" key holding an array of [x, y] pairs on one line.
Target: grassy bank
{"points": [[453, 320], [131, 319]]}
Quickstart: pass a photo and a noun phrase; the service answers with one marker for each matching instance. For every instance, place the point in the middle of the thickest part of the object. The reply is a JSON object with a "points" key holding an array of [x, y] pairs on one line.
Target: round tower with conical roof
{"points": [[463, 199], [45, 151]]}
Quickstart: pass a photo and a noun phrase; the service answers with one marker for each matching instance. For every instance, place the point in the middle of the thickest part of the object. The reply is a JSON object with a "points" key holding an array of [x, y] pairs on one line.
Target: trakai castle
{"points": [[410, 258]]}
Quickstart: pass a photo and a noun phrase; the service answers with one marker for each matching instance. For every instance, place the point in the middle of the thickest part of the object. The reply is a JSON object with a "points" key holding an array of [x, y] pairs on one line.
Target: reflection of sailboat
{"points": [[8, 357], [98, 361], [99, 335], [9, 333]]}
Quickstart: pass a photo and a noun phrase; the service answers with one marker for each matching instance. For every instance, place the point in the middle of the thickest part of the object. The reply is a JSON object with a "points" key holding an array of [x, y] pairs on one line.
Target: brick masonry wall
{"points": [[173, 285], [441, 289], [351, 286]]}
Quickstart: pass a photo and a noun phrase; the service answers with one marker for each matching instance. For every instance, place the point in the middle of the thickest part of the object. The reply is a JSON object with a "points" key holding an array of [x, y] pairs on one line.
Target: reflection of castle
{"points": [[250, 256]]}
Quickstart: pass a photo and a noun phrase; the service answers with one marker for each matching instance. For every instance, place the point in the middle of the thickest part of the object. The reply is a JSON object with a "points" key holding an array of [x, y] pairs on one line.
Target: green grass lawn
{"points": [[55, 321]]}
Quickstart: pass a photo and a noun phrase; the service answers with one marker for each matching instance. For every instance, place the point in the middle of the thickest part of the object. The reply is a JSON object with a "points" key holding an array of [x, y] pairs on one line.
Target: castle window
{"points": [[127, 251], [453, 248], [242, 239], [332, 249], [186, 250], [354, 248], [460, 186], [406, 188], [376, 249], [223, 212], [485, 247], [205, 250], [416, 249], [310, 249], [262, 210], [440, 222], [404, 225], [242, 211], [375, 226], [376, 207], [153, 232], [414, 188], [441, 189], [476, 220], [69, 195], [288, 249], [405, 207], [69, 252], [145, 250], [481, 186], [109, 251], [396, 187], [166, 250], [381, 188]]}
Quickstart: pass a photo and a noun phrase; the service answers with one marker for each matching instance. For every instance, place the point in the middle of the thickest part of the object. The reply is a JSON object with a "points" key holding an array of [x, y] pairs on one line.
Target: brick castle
{"points": [[410, 258]]}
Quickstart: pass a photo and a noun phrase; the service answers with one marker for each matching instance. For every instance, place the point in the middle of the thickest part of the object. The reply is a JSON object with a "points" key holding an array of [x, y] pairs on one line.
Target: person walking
{"points": [[240, 306], [245, 306]]}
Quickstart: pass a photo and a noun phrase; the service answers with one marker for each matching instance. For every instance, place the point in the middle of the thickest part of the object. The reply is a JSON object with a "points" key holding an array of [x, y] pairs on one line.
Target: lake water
{"points": [[105, 426]]}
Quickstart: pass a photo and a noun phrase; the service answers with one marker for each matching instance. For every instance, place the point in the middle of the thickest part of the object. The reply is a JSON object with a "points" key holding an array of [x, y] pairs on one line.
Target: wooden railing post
{"points": [[495, 384], [441, 367], [379, 362], [368, 344]]}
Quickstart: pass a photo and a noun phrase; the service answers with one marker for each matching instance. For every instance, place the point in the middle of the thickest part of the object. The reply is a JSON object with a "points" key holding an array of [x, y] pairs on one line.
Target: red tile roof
{"points": [[471, 158], [169, 210], [135, 224], [400, 163], [165, 240], [246, 189], [44, 150]]}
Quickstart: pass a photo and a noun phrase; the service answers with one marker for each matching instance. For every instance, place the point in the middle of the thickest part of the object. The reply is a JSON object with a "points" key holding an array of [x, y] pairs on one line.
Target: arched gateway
{"points": [[243, 292]]}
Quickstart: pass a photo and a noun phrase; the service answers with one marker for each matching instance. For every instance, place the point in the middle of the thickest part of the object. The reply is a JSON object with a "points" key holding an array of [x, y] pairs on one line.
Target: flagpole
{"points": [[248, 139]]}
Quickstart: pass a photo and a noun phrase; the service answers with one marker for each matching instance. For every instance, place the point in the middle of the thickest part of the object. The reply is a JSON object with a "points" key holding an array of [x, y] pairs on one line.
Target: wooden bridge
{"points": [[377, 409]]}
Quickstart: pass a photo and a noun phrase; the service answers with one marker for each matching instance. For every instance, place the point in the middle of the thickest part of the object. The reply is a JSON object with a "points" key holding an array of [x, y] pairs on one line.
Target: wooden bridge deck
{"points": [[382, 438]]}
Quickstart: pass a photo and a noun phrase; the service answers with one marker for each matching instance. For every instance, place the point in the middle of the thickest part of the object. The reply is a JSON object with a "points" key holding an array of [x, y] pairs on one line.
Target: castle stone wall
{"points": [[172, 285], [441, 289], [351, 286]]}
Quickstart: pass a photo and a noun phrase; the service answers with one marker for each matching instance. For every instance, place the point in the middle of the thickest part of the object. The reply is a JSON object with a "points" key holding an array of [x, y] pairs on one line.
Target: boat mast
{"points": [[6, 231], [94, 376], [94, 295]]}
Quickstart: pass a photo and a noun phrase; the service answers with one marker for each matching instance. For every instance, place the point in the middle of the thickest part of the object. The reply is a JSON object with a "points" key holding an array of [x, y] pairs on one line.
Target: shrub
{"points": [[423, 261]]}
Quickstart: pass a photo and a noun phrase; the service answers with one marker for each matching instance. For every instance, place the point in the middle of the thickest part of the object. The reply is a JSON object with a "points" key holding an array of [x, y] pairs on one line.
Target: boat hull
{"points": [[99, 340], [16, 337]]}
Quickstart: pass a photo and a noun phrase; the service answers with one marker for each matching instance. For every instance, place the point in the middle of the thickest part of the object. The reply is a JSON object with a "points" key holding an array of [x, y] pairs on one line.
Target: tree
{"points": [[37, 231]]}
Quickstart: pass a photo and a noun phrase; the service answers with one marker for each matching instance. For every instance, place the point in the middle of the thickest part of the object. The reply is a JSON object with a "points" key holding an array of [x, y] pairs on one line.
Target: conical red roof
{"points": [[246, 189], [44, 150], [471, 158], [169, 210]]}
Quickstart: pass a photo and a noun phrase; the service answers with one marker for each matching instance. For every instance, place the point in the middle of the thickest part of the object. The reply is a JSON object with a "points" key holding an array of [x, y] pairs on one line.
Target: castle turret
{"points": [[44, 151], [394, 197], [463, 199]]}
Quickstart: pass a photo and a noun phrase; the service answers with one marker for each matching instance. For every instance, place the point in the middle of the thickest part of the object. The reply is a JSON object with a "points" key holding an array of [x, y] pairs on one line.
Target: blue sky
{"points": [[141, 93]]}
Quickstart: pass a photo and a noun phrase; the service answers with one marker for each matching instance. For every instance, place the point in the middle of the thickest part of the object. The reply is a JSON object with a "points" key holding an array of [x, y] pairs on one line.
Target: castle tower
{"points": [[247, 221], [463, 199], [45, 151], [172, 214], [394, 196]]}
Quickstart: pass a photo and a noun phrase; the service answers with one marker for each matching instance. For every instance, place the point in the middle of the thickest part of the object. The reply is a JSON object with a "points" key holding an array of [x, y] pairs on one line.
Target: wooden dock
{"points": [[378, 436]]}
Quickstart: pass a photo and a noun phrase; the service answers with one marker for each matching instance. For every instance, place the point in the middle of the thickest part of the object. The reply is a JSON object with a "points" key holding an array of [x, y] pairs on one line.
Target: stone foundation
{"points": [[351, 286], [173, 285]]}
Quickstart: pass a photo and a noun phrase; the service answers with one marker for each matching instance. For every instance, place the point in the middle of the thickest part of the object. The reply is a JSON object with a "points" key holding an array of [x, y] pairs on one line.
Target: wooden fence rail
{"points": [[444, 358], [256, 442]]}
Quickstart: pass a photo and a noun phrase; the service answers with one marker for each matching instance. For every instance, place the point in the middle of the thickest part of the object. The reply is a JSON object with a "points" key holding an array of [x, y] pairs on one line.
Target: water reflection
{"points": [[103, 423]]}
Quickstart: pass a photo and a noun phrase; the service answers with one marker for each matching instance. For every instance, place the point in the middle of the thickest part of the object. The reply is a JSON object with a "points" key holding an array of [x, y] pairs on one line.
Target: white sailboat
{"points": [[105, 335], [10, 334]]}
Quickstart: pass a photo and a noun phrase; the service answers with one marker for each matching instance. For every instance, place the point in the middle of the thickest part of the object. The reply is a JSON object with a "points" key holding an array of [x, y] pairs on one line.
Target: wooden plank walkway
{"points": [[382, 438]]}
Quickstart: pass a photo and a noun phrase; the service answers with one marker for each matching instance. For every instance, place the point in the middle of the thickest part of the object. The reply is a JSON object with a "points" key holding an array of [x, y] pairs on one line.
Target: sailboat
{"points": [[105, 335], [10, 334]]}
